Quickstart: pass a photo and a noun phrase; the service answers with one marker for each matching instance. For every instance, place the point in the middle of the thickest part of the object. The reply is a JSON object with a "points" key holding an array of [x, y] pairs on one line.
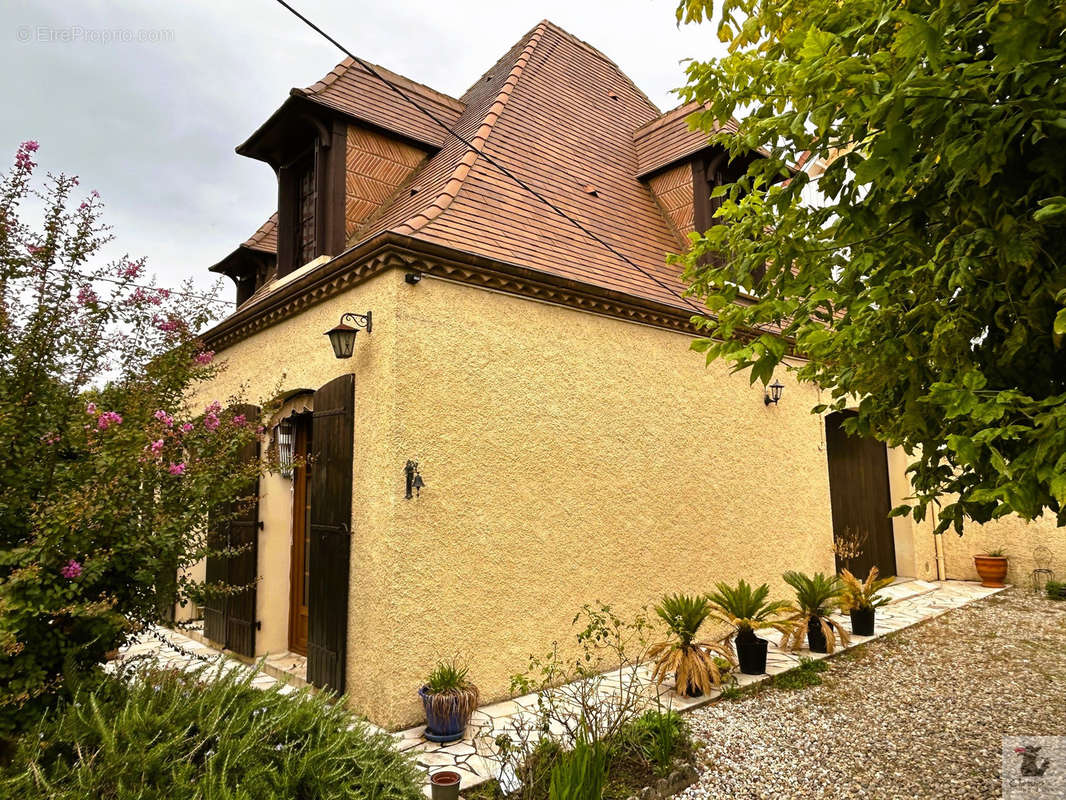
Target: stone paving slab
{"points": [[911, 602]]}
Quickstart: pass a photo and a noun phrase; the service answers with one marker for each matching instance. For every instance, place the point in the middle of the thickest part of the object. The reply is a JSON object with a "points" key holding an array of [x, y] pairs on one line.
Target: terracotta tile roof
{"points": [[559, 115], [352, 90], [669, 138], [266, 238]]}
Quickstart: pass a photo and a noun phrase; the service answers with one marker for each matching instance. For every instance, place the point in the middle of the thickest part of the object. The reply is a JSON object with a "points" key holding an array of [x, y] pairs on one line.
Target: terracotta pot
{"points": [[992, 569], [444, 785]]}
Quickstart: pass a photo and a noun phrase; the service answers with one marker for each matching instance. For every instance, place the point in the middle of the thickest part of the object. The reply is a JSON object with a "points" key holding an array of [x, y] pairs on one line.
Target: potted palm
{"points": [[691, 662], [449, 699], [748, 610], [816, 596], [992, 567], [861, 599]]}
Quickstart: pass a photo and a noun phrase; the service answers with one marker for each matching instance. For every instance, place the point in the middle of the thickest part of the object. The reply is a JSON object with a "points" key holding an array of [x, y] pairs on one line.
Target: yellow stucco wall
{"points": [[292, 355], [571, 458], [1018, 537], [568, 458]]}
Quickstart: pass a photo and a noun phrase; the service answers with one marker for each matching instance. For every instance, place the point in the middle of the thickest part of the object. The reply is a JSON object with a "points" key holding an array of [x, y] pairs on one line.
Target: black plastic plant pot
{"points": [[444, 785], [816, 636], [443, 724], [751, 653], [862, 621]]}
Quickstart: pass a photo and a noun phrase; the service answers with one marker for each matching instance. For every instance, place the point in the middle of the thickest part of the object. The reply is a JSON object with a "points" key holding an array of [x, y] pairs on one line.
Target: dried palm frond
{"points": [[692, 664], [831, 629], [862, 594]]}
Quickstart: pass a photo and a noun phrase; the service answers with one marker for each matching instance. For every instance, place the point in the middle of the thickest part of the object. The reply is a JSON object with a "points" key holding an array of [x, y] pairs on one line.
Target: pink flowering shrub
{"points": [[108, 474]]}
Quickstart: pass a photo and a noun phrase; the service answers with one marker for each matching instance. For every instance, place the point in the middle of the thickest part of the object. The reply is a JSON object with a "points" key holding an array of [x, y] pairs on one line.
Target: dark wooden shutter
{"points": [[860, 496], [217, 572], [230, 620], [332, 435]]}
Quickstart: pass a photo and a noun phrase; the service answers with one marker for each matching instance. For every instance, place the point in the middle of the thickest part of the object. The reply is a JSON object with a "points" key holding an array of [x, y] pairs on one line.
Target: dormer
{"points": [[682, 169], [254, 262], [340, 149]]}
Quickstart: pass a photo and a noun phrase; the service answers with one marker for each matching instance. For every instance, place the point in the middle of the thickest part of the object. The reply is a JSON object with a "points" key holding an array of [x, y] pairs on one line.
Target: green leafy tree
{"points": [[928, 284], [107, 475]]}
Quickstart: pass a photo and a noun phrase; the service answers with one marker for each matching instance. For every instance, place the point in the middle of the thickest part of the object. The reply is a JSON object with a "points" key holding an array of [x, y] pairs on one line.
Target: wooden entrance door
{"points": [[299, 569], [858, 487]]}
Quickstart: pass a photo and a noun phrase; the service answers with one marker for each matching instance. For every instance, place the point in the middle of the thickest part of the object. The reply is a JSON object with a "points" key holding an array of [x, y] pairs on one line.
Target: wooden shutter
{"points": [[332, 435], [230, 620]]}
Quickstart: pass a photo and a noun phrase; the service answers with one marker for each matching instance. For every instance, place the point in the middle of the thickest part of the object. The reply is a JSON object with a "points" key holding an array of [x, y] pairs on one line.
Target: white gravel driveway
{"points": [[919, 714]]}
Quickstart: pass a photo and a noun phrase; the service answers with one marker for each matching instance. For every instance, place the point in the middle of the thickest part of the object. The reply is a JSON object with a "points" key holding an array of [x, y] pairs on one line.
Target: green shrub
{"points": [[806, 674], [206, 736], [1056, 590], [656, 737], [580, 774]]}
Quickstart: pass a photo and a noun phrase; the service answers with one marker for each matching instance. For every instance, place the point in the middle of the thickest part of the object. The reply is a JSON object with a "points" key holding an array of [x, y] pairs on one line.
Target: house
{"points": [[521, 426]]}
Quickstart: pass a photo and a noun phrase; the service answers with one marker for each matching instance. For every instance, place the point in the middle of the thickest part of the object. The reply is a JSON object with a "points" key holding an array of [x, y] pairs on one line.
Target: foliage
{"points": [[589, 692], [748, 609], [691, 662], [928, 285], [997, 552], [806, 674], [656, 737], [580, 773], [1056, 590], [449, 687], [108, 475], [858, 594], [205, 735], [816, 596]]}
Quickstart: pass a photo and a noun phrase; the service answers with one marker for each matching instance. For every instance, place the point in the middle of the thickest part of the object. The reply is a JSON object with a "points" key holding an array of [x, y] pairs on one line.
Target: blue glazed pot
{"points": [[448, 726]]}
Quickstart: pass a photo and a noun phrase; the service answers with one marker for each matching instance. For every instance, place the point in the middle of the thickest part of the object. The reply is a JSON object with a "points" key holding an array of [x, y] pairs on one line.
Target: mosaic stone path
{"points": [[472, 757]]}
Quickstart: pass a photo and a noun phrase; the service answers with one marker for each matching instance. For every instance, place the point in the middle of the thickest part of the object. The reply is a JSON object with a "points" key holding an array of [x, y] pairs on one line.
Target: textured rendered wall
{"points": [[1018, 537], [569, 459], [294, 354]]}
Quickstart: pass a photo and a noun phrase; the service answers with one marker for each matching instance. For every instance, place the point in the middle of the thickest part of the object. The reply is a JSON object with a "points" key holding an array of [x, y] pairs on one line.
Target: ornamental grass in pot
{"points": [[449, 699], [992, 568], [860, 600], [691, 661], [816, 596], [747, 610]]}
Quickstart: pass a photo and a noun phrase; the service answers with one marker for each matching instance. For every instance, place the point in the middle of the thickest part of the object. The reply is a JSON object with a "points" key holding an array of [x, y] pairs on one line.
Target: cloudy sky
{"points": [[152, 124]]}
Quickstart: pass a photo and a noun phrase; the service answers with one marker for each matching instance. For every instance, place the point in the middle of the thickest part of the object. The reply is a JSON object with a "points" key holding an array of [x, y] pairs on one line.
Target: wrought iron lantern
{"points": [[342, 336], [774, 395]]}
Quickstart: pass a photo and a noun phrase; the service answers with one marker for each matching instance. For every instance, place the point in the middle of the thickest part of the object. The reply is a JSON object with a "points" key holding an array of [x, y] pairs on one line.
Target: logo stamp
{"points": [[1034, 767]]}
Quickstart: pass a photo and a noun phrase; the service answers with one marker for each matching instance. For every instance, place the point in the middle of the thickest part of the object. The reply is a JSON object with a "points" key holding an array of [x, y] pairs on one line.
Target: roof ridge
{"points": [[451, 188], [348, 63], [601, 55]]}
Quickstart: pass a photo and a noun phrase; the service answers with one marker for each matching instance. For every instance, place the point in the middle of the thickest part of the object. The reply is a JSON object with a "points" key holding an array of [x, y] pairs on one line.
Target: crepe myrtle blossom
{"points": [[211, 422], [204, 357], [164, 417], [107, 419], [186, 427], [23, 159], [177, 469], [240, 420], [156, 447], [90, 409], [87, 297], [71, 570]]}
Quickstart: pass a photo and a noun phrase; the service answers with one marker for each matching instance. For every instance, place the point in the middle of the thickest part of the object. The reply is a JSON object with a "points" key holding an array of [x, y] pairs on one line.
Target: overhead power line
{"points": [[482, 154]]}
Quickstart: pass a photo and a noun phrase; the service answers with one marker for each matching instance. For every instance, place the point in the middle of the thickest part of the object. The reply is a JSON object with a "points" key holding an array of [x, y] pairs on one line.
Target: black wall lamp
{"points": [[774, 394], [342, 336], [413, 277], [414, 480]]}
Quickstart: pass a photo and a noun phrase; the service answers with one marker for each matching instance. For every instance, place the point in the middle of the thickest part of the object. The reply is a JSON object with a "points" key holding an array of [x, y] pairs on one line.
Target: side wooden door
{"points": [[332, 452], [861, 499]]}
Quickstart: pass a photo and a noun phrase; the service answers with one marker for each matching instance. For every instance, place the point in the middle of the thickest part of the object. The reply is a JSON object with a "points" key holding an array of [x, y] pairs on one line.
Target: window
{"points": [[306, 206]]}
